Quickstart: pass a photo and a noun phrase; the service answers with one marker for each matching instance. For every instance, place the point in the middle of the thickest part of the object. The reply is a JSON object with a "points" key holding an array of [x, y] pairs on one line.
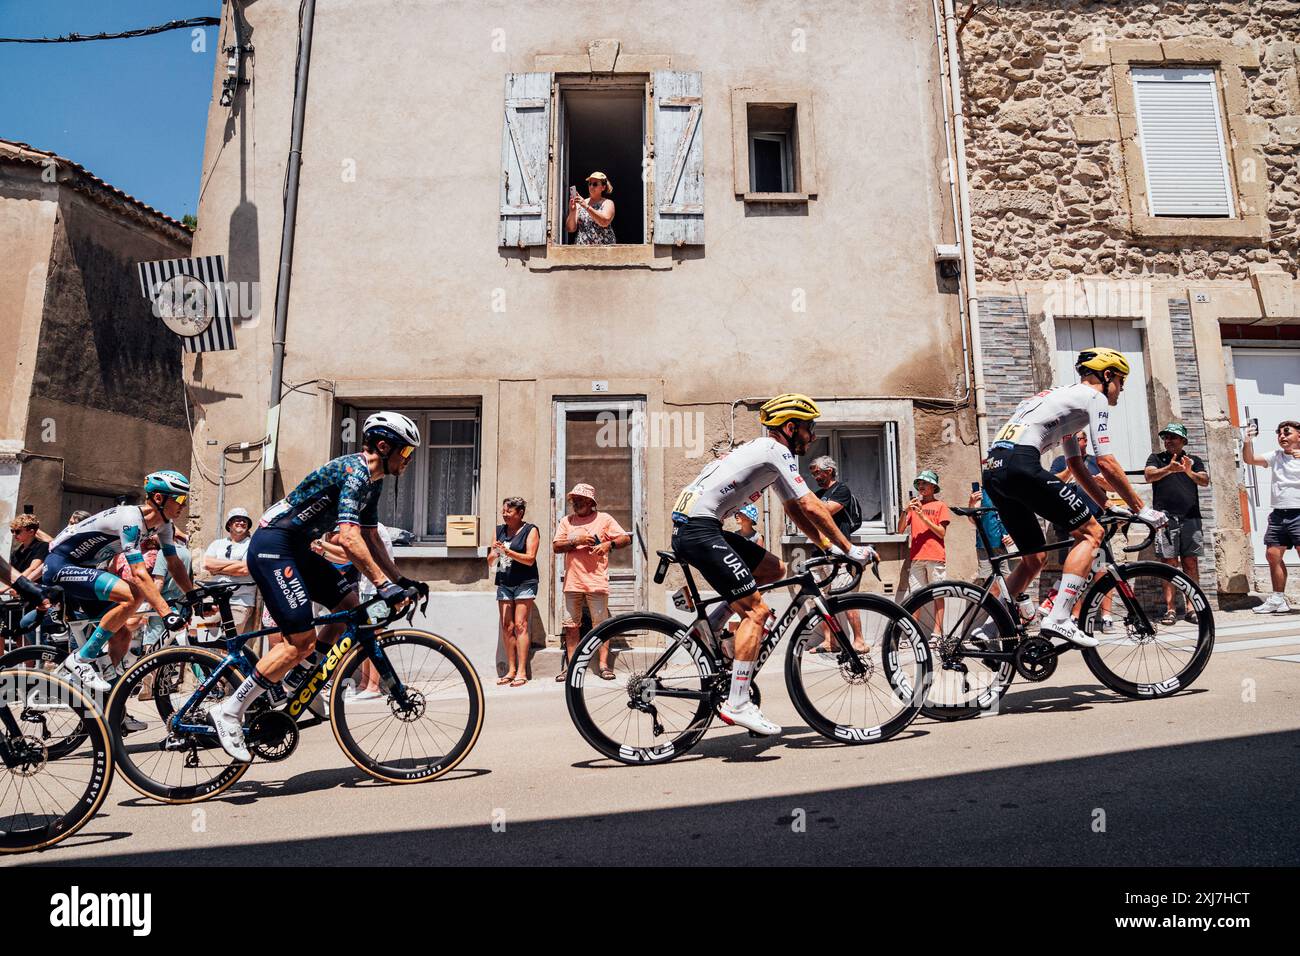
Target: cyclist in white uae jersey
{"points": [[735, 566], [1022, 490], [79, 557]]}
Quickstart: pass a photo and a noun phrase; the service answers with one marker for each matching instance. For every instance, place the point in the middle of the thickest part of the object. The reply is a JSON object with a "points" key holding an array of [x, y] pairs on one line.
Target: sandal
{"points": [[519, 682], [562, 676], [1169, 618], [606, 673], [505, 680]]}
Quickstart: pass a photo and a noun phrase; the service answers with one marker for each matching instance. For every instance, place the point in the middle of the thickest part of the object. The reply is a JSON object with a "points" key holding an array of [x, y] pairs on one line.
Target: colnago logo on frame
{"points": [[76, 909]]}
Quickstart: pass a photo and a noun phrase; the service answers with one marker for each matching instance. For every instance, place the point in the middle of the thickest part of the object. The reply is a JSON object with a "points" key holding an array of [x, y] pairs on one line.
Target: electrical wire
{"points": [[124, 35]]}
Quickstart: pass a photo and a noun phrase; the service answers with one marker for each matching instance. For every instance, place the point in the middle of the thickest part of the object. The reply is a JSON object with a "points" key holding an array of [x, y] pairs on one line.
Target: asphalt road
{"points": [[1067, 773]]}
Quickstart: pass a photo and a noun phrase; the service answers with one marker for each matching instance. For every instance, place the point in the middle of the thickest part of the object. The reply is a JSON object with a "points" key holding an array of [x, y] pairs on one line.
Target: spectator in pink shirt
{"points": [[585, 537]]}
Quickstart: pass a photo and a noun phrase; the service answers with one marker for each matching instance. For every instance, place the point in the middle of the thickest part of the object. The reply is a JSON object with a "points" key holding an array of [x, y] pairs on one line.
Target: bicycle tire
{"points": [[466, 729], [919, 604], [142, 762], [1101, 659], [98, 762], [890, 652], [690, 668], [46, 657]]}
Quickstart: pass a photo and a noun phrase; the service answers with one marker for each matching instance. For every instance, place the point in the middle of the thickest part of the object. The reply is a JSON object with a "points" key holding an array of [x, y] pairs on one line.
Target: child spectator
{"points": [[926, 520]]}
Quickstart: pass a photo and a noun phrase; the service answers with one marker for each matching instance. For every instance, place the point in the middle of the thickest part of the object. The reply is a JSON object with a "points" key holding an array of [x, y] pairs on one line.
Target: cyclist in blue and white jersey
{"points": [[78, 562], [342, 494]]}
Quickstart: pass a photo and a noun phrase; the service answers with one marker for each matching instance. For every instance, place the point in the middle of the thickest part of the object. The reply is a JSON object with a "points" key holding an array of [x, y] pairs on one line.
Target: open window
{"points": [[559, 128], [867, 460], [442, 478]]}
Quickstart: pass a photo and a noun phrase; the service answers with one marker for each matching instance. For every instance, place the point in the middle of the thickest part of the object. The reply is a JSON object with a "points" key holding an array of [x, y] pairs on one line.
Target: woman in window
{"points": [[592, 218]]}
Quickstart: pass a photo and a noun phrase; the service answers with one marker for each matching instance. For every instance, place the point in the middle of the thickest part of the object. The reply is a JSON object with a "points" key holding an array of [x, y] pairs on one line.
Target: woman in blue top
{"points": [[514, 557]]}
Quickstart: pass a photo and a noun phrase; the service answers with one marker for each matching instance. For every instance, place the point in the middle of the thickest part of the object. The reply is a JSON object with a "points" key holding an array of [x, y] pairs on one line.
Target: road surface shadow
{"points": [[1229, 802]]}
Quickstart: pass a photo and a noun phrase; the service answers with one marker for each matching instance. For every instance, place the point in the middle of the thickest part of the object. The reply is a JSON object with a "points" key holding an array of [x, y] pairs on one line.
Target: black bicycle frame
{"points": [[808, 590], [237, 658]]}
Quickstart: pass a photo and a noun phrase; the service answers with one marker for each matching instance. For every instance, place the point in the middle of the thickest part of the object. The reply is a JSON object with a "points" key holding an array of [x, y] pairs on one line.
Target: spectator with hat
{"points": [[226, 560], [747, 519], [1176, 478], [592, 218], [926, 521], [585, 537]]}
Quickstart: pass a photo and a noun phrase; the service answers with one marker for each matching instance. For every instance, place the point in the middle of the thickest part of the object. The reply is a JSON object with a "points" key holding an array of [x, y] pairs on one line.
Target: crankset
{"points": [[1035, 659], [273, 735]]}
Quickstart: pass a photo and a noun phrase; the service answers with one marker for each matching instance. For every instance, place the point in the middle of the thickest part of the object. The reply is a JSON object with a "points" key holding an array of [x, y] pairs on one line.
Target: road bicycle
{"points": [[415, 711], [670, 677], [981, 643], [56, 759]]}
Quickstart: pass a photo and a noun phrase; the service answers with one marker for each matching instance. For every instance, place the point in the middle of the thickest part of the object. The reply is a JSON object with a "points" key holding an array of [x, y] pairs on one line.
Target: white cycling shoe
{"points": [[83, 673], [1069, 631], [748, 715], [230, 734]]}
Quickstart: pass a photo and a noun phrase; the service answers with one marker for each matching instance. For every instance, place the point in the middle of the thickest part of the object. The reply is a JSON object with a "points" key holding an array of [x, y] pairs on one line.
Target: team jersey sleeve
{"points": [[1099, 426], [167, 539], [370, 513], [131, 533], [789, 483], [353, 495]]}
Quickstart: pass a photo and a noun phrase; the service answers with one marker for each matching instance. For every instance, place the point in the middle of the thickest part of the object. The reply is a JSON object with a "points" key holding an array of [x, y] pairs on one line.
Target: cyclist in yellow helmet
{"points": [[735, 566], [1023, 490]]}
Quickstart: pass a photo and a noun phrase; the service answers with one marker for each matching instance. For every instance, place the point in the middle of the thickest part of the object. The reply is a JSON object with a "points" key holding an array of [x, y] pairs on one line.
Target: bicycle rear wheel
{"points": [[45, 798], [630, 718], [866, 705], [165, 765], [965, 685], [422, 733], [43, 657], [1142, 658]]}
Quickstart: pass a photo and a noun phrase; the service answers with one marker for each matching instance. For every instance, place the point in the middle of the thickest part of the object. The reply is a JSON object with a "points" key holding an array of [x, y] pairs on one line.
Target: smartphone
{"points": [[573, 191], [1254, 423], [974, 486]]}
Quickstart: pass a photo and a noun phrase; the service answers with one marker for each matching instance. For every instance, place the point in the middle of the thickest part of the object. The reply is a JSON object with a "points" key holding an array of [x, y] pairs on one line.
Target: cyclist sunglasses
{"points": [[408, 451], [180, 499]]}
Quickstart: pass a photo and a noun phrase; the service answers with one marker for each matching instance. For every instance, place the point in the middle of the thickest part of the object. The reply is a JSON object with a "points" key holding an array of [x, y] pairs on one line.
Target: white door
{"points": [[1131, 428], [1268, 388]]}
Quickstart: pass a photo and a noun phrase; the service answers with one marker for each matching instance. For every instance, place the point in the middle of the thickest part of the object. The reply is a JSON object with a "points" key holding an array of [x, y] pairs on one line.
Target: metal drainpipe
{"points": [[286, 241], [967, 241]]}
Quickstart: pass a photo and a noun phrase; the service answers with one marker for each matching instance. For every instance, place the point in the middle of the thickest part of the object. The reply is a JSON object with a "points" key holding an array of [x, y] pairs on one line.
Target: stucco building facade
{"points": [[1134, 183], [90, 389], [779, 200]]}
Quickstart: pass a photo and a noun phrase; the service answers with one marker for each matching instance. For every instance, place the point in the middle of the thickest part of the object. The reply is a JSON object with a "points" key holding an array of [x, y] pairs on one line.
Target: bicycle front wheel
{"points": [[46, 798], [660, 701], [44, 657], [164, 763], [1140, 657], [869, 700], [420, 731]]}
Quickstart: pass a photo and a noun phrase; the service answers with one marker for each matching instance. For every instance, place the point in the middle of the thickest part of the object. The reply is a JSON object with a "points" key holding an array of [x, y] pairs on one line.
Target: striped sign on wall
{"points": [[211, 271]]}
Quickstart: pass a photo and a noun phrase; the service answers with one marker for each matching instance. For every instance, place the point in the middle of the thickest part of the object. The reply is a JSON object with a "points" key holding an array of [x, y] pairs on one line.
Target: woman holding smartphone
{"points": [[592, 218]]}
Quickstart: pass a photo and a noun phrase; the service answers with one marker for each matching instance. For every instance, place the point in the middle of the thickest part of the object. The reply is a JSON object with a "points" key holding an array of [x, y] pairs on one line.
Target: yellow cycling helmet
{"points": [[1101, 360], [777, 411]]}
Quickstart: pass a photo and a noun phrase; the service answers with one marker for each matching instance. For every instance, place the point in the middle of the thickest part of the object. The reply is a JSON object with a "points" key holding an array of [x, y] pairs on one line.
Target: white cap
{"points": [[237, 513]]}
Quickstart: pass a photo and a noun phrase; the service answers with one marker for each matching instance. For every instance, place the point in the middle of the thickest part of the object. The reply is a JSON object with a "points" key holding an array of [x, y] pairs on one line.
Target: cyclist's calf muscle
{"points": [[296, 648]]}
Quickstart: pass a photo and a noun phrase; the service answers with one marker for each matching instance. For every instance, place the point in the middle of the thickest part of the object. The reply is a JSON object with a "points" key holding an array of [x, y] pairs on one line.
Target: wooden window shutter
{"points": [[679, 158], [525, 145], [1181, 134]]}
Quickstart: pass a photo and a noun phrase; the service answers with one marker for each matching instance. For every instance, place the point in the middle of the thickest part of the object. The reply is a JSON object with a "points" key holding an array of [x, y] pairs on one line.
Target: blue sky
{"points": [[133, 111]]}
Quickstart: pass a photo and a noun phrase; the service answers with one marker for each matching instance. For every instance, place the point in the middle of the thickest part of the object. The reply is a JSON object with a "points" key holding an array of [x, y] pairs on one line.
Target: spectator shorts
{"points": [[921, 573], [523, 591], [290, 576], [725, 559], [1021, 489], [596, 603], [1283, 528], [1180, 538]]}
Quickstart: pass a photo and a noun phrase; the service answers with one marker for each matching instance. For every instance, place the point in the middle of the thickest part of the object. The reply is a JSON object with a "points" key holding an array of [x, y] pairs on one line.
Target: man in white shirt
{"points": [[1284, 520], [226, 560]]}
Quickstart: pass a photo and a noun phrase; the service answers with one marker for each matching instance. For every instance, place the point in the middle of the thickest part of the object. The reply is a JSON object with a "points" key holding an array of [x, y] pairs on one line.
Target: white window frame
{"points": [[1144, 76], [787, 160], [424, 417], [889, 465]]}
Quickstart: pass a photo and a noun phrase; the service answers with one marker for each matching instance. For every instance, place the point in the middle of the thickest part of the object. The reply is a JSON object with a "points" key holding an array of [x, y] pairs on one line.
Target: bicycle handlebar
{"points": [[835, 562], [1112, 520]]}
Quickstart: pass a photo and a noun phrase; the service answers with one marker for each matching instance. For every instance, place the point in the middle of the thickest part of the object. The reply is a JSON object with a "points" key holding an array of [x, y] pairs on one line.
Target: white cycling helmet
{"points": [[392, 426]]}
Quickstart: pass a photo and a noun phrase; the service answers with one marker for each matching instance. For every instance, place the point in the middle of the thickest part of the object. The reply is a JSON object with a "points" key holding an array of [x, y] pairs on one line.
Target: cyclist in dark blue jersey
{"points": [[342, 493]]}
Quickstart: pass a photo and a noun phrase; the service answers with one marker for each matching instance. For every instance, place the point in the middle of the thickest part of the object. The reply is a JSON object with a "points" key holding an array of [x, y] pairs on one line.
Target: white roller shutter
{"points": [[1181, 133]]}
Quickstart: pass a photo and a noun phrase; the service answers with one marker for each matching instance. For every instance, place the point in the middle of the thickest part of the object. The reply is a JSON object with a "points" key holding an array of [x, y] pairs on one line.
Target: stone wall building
{"points": [[1135, 183], [90, 381], [774, 242]]}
